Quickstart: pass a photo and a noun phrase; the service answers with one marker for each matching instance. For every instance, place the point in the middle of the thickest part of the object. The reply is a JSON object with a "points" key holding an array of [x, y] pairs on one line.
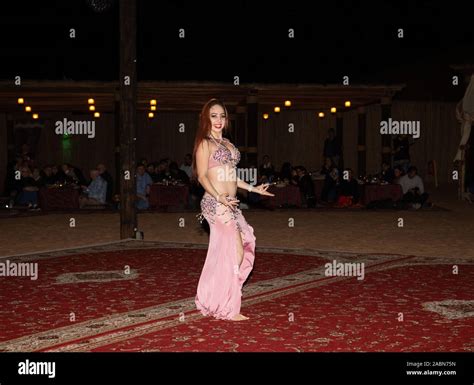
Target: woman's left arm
{"points": [[243, 185], [261, 189]]}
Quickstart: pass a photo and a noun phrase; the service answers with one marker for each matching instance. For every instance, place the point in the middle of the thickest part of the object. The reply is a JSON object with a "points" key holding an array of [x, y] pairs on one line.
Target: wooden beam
{"points": [[128, 117]]}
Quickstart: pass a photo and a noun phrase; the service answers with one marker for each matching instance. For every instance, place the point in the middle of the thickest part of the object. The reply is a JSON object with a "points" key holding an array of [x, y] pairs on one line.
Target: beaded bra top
{"points": [[223, 155]]}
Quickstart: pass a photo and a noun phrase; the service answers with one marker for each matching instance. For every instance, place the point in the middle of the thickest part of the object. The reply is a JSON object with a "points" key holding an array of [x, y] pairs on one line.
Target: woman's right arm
{"points": [[202, 159]]}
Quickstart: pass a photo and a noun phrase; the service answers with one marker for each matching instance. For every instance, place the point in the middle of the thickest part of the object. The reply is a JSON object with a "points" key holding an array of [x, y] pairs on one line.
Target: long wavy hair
{"points": [[204, 129]]}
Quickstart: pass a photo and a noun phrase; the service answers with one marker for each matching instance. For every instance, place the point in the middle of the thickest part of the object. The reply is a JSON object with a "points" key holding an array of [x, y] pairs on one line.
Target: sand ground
{"points": [[431, 233]]}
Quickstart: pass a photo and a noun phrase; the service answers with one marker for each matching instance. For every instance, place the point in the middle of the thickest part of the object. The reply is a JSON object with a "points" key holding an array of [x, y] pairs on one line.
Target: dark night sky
{"points": [[245, 38]]}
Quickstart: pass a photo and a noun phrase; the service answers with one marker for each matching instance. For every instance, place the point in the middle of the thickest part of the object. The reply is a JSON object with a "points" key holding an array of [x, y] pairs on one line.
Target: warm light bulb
{"points": [[347, 103], [35, 116], [151, 115], [321, 114], [28, 109], [91, 108], [153, 102], [287, 103], [153, 108], [333, 110], [265, 116], [21, 100], [276, 109], [96, 114], [90, 101]]}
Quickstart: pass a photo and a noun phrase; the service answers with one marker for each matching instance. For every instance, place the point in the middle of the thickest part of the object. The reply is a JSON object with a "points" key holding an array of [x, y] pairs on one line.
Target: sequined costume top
{"points": [[223, 156]]}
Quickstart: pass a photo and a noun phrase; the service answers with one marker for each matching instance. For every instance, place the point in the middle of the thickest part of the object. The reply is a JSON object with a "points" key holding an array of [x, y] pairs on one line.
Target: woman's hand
{"points": [[230, 202], [262, 190]]}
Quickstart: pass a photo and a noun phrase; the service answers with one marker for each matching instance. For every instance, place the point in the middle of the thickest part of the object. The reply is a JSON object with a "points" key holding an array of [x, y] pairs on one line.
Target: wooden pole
{"points": [[361, 141], [386, 110], [128, 117]]}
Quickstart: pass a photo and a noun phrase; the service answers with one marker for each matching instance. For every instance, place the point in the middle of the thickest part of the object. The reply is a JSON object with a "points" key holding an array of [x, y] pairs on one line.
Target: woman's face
{"points": [[397, 172], [218, 119]]}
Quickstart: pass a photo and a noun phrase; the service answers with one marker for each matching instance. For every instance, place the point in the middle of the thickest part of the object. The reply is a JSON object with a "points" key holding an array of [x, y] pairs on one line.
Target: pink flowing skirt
{"points": [[219, 289]]}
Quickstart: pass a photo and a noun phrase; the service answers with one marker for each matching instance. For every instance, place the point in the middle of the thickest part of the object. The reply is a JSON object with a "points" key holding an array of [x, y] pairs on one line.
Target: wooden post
{"points": [[117, 162], [361, 141], [340, 137], [251, 132], [128, 117], [11, 149], [386, 106]]}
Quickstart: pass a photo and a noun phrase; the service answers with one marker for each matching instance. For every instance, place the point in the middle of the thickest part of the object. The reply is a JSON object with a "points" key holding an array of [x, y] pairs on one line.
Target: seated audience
{"points": [[266, 170], [331, 181], [306, 185], [387, 173], [161, 171], [143, 187], [178, 174], [105, 175], [96, 192], [187, 165], [25, 190], [348, 190], [413, 188]]}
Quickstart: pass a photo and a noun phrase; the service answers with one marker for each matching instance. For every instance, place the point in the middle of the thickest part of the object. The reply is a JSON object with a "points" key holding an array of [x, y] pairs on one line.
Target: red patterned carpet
{"points": [[139, 296]]}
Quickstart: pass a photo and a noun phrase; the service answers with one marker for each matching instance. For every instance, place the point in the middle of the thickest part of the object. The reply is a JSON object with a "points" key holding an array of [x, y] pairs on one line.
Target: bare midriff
{"points": [[224, 179]]}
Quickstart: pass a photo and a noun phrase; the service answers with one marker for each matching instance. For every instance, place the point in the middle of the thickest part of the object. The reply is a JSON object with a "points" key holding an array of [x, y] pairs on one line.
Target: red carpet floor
{"points": [[83, 301]]}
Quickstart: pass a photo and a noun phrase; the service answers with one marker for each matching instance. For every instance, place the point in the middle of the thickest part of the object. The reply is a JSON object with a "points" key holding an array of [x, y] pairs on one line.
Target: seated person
{"points": [[266, 169], [387, 173], [161, 171], [47, 175], [58, 174], [397, 174], [72, 174], [177, 174], [150, 169], [348, 190], [413, 188], [25, 190], [331, 181], [286, 172], [306, 185], [96, 192], [143, 187], [105, 175]]}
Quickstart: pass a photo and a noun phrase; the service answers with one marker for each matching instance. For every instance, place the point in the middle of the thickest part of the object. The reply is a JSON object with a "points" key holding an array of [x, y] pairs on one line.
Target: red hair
{"points": [[204, 129]]}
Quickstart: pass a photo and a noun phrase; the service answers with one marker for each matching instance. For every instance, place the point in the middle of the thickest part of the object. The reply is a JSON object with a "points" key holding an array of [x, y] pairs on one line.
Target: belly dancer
{"points": [[231, 251]]}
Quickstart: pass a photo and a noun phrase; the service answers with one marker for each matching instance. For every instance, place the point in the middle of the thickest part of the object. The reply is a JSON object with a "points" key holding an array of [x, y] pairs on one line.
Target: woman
{"points": [[231, 251]]}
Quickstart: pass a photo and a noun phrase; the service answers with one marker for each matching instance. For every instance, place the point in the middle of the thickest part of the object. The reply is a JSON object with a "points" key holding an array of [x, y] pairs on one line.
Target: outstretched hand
{"points": [[262, 190]]}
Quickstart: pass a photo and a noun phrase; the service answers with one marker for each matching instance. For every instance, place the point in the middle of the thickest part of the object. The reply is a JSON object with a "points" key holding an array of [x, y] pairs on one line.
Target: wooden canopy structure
{"points": [[71, 96]]}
